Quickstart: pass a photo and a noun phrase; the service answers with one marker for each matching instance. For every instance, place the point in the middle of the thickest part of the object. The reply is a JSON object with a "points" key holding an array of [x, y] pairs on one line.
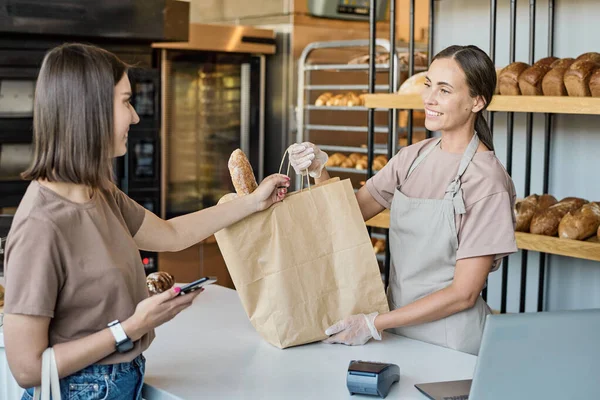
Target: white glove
{"points": [[307, 157], [355, 330]]}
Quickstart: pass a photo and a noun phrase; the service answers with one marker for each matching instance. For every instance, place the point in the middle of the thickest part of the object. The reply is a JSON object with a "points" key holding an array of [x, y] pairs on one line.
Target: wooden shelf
{"points": [[534, 104], [588, 249]]}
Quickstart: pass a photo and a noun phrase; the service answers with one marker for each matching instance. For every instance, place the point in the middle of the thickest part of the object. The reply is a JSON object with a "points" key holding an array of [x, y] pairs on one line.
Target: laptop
{"points": [[545, 355]]}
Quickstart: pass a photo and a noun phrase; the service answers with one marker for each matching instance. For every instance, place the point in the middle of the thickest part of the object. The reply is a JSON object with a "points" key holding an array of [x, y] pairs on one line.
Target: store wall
{"points": [[575, 148]]}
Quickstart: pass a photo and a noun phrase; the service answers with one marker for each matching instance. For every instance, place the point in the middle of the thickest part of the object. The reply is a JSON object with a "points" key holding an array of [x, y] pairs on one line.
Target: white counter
{"points": [[211, 351]]}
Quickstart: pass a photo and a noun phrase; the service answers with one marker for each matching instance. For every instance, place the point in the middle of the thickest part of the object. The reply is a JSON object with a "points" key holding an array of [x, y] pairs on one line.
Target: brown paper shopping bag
{"points": [[304, 264]]}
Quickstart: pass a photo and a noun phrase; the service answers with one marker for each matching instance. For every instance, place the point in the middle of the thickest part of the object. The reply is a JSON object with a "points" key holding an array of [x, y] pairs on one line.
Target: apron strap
{"points": [[454, 191], [421, 157]]}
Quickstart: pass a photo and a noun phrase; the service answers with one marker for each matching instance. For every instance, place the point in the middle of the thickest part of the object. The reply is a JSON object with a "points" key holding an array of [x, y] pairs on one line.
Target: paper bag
{"points": [[304, 264]]}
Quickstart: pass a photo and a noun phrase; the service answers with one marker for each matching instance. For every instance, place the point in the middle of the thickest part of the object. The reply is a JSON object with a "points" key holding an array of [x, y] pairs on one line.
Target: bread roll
{"points": [[159, 282], [526, 209], [530, 80], [545, 222], [592, 56], [577, 78], [227, 198], [413, 85], [355, 156], [580, 224], [322, 99], [553, 83], [331, 101], [509, 79], [361, 164], [595, 84], [546, 61], [353, 100], [379, 246], [348, 163], [335, 160], [1, 295], [241, 173]]}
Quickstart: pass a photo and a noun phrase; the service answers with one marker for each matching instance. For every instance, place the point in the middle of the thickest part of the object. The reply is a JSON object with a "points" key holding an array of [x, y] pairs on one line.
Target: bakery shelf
{"points": [[344, 87], [341, 108], [533, 104], [350, 149], [347, 170], [344, 128], [585, 249], [356, 67]]}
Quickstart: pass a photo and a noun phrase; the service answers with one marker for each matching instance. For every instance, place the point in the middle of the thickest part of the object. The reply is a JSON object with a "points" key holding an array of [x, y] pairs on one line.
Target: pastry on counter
{"points": [[159, 282], [577, 77], [553, 83], [545, 222], [241, 173], [580, 224], [508, 81]]}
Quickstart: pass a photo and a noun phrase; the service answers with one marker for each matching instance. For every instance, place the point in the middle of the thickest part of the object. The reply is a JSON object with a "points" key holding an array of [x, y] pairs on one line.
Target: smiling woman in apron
{"points": [[451, 219]]}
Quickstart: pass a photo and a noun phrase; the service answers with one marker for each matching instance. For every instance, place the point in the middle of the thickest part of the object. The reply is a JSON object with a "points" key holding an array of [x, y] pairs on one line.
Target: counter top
{"points": [[211, 351]]}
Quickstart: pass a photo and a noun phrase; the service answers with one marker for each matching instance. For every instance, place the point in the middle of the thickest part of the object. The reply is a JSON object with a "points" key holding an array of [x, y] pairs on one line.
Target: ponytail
{"points": [[483, 131]]}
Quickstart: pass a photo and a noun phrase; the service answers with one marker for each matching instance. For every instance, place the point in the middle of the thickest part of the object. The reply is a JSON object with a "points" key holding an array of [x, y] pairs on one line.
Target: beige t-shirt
{"points": [[488, 227], [76, 263]]}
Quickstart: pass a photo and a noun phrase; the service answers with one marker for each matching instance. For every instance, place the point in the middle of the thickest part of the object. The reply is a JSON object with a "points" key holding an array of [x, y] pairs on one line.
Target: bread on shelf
{"points": [[577, 77], [580, 224], [530, 80], [323, 98], [526, 209], [595, 83], [508, 81], [553, 83], [545, 222], [546, 61], [591, 56]]}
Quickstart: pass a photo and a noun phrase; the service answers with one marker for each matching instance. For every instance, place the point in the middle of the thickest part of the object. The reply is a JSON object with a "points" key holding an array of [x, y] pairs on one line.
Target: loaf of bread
{"points": [[323, 98], [241, 173], [413, 85], [595, 84], [159, 282], [553, 83], [530, 80], [546, 61], [509, 79], [227, 198], [580, 224], [545, 222], [577, 78], [526, 209], [592, 56], [498, 70]]}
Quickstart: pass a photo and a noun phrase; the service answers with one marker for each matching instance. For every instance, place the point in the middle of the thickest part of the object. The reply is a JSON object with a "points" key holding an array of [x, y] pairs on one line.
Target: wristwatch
{"points": [[123, 343]]}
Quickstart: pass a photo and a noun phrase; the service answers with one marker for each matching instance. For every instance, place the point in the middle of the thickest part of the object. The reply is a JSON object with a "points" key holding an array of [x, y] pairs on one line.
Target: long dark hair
{"points": [[73, 121], [481, 79]]}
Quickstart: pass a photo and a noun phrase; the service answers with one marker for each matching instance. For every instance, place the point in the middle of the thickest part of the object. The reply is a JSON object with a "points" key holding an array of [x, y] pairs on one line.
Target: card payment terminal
{"points": [[372, 378]]}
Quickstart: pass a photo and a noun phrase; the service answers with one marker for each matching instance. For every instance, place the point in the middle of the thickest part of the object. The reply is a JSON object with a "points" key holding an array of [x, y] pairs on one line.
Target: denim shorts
{"points": [[103, 382]]}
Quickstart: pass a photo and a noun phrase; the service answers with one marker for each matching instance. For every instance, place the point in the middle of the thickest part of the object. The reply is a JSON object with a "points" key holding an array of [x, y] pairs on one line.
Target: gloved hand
{"points": [[307, 157], [355, 330]]}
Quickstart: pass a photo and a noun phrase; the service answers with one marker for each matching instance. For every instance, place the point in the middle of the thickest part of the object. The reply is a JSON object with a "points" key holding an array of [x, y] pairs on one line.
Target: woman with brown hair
{"points": [[451, 219], [72, 257]]}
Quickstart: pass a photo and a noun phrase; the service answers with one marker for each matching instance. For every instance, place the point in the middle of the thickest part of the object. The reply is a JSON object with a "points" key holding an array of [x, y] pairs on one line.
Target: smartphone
{"points": [[190, 287]]}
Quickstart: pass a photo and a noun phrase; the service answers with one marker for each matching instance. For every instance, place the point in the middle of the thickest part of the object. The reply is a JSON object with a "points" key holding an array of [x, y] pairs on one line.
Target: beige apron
{"points": [[423, 244]]}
